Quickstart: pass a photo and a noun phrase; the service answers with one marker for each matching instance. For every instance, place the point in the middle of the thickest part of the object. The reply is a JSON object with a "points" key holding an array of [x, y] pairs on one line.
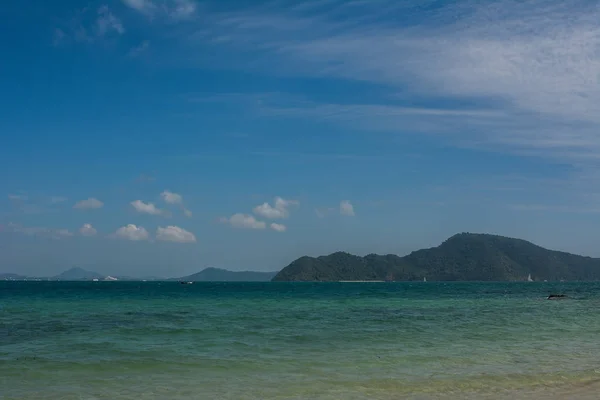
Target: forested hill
{"points": [[462, 257]]}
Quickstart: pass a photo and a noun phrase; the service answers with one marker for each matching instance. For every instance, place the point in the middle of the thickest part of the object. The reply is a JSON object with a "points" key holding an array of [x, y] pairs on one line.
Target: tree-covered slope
{"points": [[463, 257]]}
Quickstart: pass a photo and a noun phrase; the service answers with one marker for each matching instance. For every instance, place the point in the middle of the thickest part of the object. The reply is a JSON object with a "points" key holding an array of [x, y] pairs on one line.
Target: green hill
{"points": [[463, 257], [222, 275]]}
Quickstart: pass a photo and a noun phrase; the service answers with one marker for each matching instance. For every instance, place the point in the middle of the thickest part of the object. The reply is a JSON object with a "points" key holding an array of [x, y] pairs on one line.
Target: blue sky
{"points": [[156, 137]]}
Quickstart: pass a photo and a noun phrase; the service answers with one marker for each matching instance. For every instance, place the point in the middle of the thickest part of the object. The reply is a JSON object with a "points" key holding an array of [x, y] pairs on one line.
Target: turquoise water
{"points": [[150, 340]]}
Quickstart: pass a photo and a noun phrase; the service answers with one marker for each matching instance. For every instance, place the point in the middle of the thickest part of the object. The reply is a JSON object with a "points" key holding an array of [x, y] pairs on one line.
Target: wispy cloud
{"points": [[172, 9], [551, 208], [39, 231], [107, 22], [89, 25], [244, 221], [531, 67], [139, 49], [90, 203]]}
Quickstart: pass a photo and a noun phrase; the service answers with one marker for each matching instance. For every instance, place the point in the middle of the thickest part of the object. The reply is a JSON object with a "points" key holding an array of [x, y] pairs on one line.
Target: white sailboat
{"points": [[529, 278], [424, 279]]}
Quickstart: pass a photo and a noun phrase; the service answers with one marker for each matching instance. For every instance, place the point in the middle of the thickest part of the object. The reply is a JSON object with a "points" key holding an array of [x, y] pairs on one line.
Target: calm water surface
{"points": [[151, 340]]}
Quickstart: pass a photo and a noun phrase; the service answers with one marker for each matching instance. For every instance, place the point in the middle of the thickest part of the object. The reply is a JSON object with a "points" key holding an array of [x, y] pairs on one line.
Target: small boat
{"points": [[529, 278], [424, 279], [185, 283], [557, 297]]}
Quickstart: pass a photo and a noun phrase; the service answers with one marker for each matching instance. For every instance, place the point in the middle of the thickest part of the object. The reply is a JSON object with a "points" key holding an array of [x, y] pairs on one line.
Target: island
{"points": [[462, 257]]}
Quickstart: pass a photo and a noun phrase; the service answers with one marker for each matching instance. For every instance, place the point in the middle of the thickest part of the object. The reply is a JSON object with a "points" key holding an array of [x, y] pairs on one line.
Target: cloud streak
{"points": [[172, 9], [39, 231], [530, 67], [244, 221], [89, 204]]}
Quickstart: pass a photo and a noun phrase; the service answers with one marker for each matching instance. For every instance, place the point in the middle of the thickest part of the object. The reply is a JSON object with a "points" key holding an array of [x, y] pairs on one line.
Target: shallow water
{"points": [[151, 340]]}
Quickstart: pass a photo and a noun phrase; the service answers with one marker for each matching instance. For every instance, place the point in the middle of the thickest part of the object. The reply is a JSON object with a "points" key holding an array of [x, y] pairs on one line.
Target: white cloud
{"points": [[173, 9], [146, 208], [529, 69], [280, 210], [175, 234], [90, 203], [182, 9], [187, 213], [18, 197], [39, 231], [87, 230], [132, 232], [144, 6], [278, 227], [107, 22], [346, 208], [171, 198], [244, 221]]}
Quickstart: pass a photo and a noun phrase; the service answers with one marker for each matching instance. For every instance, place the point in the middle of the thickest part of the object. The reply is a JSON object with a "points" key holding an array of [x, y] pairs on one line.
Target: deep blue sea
{"points": [[164, 340]]}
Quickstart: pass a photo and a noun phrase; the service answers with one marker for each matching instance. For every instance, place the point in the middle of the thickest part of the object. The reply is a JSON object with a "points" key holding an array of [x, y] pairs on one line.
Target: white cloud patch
{"points": [[132, 232], [146, 208], [278, 227], [175, 234], [244, 221], [87, 230], [346, 208], [187, 213], [171, 198], [279, 210], [89, 204]]}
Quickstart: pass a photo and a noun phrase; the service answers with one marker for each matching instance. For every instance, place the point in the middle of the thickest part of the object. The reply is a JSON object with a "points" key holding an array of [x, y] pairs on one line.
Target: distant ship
{"points": [[185, 283]]}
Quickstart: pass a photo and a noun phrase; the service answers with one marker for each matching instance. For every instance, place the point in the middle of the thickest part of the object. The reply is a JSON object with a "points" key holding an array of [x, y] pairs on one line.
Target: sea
{"points": [[250, 341]]}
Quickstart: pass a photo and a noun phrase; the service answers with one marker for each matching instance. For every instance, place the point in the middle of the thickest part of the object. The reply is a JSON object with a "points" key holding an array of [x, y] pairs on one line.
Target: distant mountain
{"points": [[77, 274], [223, 275], [463, 257], [12, 277]]}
